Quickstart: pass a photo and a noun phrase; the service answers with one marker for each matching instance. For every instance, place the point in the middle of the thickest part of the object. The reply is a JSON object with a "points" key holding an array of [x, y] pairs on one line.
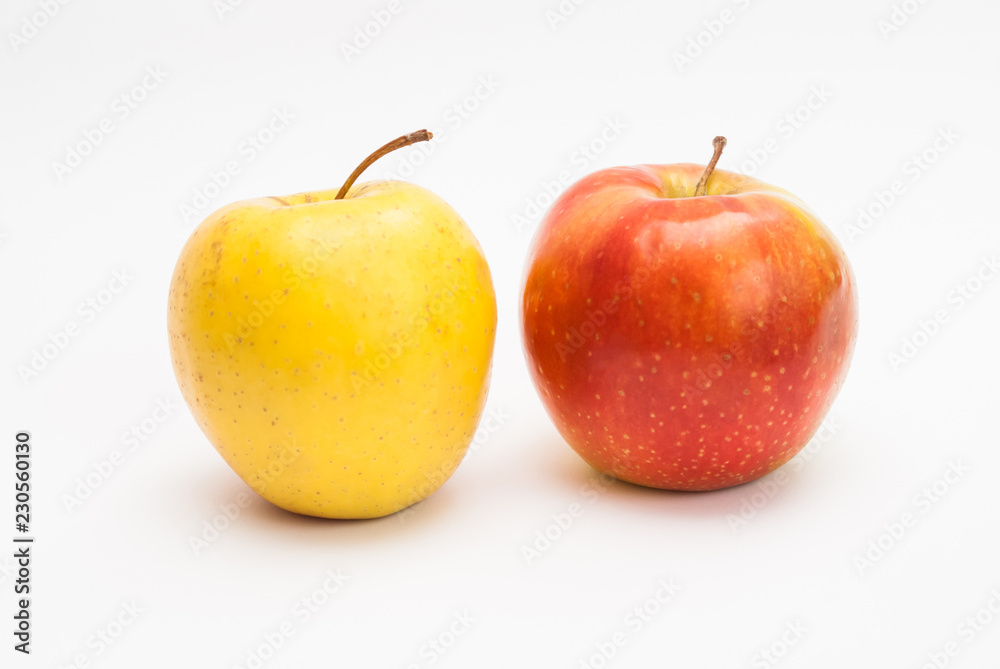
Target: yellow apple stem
{"points": [[702, 188], [398, 143]]}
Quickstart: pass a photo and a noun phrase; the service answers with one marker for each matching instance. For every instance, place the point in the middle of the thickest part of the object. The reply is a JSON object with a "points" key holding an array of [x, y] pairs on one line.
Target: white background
{"points": [[793, 558]]}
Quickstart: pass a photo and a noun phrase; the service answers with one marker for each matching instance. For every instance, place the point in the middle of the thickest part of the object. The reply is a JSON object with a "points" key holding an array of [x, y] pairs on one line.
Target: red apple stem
{"points": [[398, 143], [702, 188]]}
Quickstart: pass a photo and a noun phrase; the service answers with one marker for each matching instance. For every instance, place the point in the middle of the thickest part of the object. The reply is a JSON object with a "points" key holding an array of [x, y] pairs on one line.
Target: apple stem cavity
{"points": [[702, 188], [398, 143]]}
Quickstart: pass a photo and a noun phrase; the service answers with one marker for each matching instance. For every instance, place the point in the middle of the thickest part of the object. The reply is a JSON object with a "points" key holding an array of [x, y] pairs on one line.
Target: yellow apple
{"points": [[336, 350]]}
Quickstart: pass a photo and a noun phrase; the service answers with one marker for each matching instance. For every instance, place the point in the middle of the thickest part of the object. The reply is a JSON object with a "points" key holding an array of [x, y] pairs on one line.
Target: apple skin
{"points": [[680, 342], [336, 353]]}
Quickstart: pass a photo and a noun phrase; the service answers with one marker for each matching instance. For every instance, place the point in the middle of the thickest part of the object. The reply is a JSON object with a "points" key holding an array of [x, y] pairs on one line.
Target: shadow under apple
{"points": [[222, 499], [578, 479]]}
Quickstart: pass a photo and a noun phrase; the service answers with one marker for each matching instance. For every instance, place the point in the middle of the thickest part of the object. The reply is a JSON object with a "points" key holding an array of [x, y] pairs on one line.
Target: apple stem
{"points": [[398, 143], [702, 188]]}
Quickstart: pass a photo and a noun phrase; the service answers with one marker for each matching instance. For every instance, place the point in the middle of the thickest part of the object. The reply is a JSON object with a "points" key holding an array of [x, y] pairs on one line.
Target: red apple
{"points": [[686, 328]]}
